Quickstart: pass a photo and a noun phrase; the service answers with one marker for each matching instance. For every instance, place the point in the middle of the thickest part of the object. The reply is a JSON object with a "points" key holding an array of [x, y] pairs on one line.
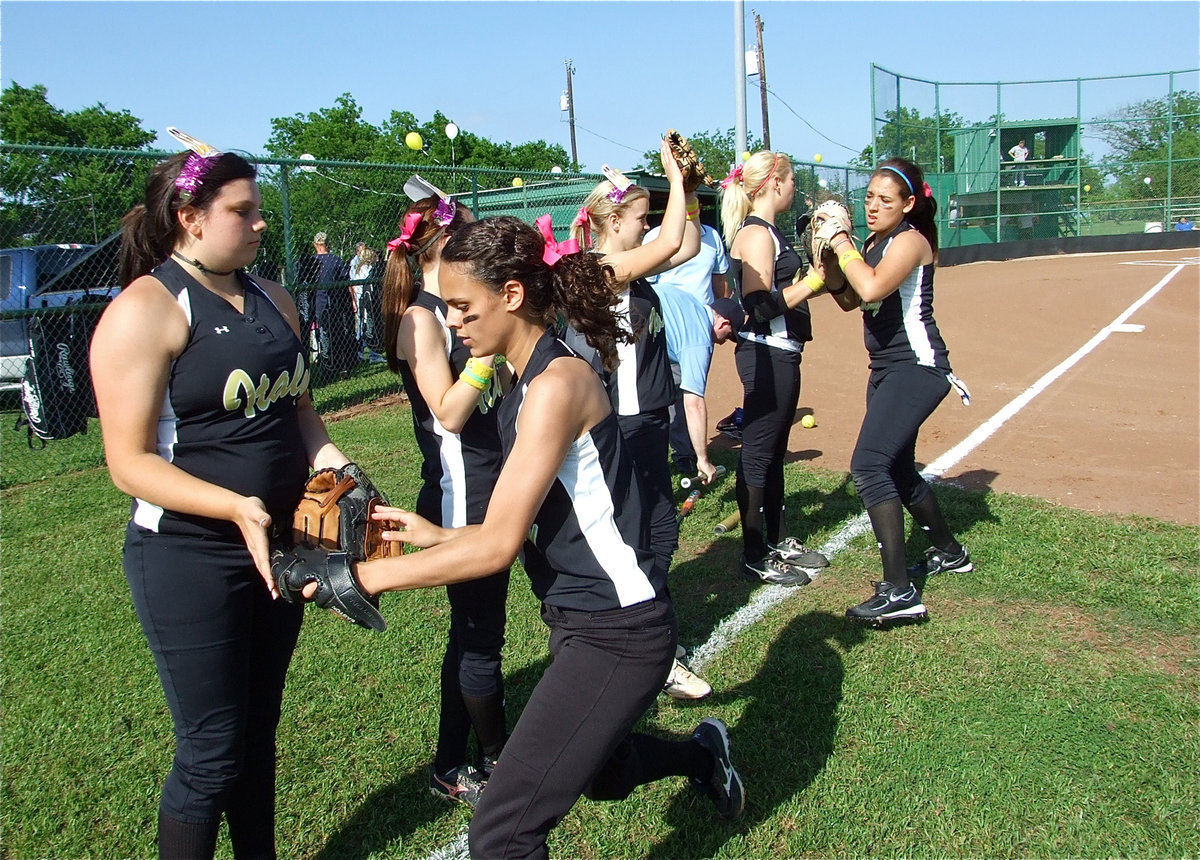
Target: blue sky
{"points": [[222, 70]]}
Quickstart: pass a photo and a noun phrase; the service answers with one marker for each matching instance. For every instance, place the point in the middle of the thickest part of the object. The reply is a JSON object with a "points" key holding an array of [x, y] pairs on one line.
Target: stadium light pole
{"points": [[739, 79]]}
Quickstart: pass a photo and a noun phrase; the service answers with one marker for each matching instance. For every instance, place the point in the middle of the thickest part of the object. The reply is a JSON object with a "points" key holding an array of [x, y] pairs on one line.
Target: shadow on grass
{"points": [[397, 810], [785, 736]]}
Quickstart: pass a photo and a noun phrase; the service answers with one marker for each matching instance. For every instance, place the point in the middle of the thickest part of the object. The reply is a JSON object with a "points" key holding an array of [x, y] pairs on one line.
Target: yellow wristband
{"points": [[479, 369], [474, 381], [846, 256], [813, 281], [694, 209]]}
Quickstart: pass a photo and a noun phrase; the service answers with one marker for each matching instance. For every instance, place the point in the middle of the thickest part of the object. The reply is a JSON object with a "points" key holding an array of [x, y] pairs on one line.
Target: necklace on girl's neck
{"points": [[200, 266]]}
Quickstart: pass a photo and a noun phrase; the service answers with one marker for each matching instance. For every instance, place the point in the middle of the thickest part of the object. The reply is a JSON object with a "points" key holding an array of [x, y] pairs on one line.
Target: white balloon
{"points": [[306, 167], [451, 130]]}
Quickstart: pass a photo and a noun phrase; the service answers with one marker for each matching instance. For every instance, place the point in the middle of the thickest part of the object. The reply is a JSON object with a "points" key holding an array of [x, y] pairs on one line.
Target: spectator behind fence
{"points": [[1183, 224], [334, 312], [361, 265], [1018, 154]]}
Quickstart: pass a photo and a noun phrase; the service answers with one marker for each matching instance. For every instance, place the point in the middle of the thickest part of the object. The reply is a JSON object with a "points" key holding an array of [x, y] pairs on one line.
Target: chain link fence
{"points": [[1106, 155], [59, 231]]}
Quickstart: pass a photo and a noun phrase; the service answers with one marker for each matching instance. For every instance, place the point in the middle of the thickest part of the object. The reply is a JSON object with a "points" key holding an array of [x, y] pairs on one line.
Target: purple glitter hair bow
{"points": [[203, 157], [444, 213]]}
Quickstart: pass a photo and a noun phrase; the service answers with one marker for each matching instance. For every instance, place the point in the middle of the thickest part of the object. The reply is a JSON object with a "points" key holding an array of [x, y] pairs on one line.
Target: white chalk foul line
{"points": [[769, 596], [955, 455]]}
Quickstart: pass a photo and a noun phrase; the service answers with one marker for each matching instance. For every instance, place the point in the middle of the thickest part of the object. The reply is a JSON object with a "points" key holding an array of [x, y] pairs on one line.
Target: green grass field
{"points": [[1048, 709]]}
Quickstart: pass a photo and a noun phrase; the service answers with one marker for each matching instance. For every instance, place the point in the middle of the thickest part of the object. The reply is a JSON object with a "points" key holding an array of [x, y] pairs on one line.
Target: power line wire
{"points": [[810, 125]]}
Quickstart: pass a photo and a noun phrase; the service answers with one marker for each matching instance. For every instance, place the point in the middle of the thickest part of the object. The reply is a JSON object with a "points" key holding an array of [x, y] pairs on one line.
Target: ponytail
{"points": [[743, 184], [421, 231], [577, 288], [910, 179]]}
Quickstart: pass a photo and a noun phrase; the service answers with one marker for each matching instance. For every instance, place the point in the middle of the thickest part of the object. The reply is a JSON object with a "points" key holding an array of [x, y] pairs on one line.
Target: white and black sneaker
{"points": [[794, 552], [889, 604], [940, 561], [724, 788], [774, 571]]}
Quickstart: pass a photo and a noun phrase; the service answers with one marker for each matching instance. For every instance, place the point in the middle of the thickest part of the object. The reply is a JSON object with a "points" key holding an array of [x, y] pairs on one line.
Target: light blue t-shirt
{"points": [[689, 336], [694, 276]]}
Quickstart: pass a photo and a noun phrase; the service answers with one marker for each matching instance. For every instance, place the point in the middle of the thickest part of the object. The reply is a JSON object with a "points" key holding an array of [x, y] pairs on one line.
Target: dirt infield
{"points": [[1118, 432]]}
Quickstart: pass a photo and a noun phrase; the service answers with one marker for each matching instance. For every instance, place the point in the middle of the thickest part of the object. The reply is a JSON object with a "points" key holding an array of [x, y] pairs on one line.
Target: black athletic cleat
{"points": [[794, 552], [773, 571], [731, 424], [732, 421], [464, 784], [940, 561], [888, 604], [724, 788]]}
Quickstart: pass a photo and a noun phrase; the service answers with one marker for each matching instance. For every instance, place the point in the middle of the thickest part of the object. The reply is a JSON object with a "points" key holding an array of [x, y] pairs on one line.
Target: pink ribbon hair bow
{"points": [[411, 220], [554, 251]]}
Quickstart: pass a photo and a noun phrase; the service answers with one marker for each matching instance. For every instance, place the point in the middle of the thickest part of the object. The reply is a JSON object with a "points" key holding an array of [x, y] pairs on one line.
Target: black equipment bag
{"points": [[57, 397]]}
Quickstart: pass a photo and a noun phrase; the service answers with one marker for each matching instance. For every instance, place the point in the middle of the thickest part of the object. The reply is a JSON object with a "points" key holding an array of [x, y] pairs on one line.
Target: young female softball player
{"points": [[454, 418], [640, 386], [910, 375], [568, 501], [202, 387], [764, 267]]}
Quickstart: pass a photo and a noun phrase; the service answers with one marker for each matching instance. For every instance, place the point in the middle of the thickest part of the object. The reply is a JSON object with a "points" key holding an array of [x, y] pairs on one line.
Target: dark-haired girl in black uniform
{"points": [[202, 388], [910, 376], [764, 267], [568, 502], [454, 419]]}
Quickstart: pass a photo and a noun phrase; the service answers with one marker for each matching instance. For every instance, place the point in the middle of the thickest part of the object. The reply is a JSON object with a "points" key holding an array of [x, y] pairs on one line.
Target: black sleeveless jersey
{"points": [[589, 546], [642, 381], [229, 415], [459, 470], [900, 329], [796, 323]]}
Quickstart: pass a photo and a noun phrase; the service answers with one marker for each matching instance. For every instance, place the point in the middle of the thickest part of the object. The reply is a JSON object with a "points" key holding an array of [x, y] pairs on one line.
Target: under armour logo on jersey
{"points": [[221, 329]]}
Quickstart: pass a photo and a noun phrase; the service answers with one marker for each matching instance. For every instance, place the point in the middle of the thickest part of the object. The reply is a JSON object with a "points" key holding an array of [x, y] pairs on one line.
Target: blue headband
{"points": [[911, 191]]}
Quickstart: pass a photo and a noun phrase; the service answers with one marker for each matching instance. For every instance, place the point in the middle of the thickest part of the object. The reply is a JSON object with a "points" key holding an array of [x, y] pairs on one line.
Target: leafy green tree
{"points": [[908, 134], [1142, 135], [57, 197], [364, 202]]}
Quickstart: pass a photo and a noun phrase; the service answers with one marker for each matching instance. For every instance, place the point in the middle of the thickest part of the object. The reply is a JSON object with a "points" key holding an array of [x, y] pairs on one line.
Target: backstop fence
{"points": [[1022, 160]]}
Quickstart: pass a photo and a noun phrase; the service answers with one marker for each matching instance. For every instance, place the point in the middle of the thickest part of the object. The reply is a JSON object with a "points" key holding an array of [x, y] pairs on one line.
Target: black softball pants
{"points": [[771, 391], [222, 648], [573, 736], [883, 464], [472, 684], [647, 436]]}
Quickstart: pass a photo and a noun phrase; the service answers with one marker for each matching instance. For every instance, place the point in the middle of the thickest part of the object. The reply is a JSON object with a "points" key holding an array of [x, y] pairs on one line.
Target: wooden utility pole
{"points": [[762, 81], [571, 116]]}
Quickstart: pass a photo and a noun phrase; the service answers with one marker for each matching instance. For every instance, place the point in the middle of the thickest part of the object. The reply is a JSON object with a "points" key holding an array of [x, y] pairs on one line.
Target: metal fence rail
{"points": [[75, 198]]}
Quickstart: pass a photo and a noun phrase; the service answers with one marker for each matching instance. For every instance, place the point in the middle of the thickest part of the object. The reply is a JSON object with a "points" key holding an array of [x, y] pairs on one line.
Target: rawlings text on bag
{"points": [[56, 392]]}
